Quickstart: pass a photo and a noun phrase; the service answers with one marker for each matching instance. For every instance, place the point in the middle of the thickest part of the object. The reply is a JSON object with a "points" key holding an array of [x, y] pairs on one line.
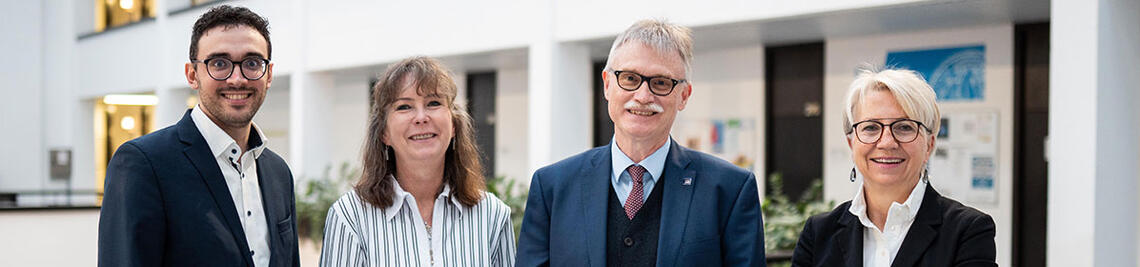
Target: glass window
{"points": [[115, 13]]}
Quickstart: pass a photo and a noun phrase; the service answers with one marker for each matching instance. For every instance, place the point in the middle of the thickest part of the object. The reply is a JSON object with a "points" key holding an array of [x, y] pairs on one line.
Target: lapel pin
{"points": [[687, 181]]}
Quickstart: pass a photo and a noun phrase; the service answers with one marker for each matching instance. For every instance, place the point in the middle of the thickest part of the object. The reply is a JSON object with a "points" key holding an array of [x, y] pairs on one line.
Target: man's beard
{"points": [[236, 119]]}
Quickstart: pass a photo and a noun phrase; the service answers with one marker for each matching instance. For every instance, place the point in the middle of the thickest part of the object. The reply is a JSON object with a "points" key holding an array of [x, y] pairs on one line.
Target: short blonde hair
{"points": [[916, 97], [661, 35]]}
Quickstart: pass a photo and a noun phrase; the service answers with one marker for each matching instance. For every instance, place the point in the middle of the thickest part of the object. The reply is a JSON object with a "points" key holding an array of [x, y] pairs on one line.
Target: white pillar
{"points": [[560, 81], [1094, 133], [171, 101], [58, 101], [171, 106], [310, 120]]}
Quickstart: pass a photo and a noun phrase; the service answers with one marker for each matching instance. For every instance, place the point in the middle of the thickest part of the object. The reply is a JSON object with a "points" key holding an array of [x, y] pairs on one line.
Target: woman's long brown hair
{"points": [[462, 169]]}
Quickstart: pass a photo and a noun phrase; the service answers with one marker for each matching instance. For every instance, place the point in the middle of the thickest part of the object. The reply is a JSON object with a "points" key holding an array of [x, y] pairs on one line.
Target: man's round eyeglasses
{"points": [[903, 130], [221, 68], [658, 85]]}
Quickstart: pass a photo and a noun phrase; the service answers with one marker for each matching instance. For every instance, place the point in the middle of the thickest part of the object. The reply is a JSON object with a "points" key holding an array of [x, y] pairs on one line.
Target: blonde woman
{"points": [[896, 218]]}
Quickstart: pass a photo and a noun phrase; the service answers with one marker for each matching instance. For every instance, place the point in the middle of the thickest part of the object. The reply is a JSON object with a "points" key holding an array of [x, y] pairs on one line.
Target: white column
{"points": [[171, 105], [559, 121], [171, 101], [540, 71], [1094, 133], [58, 100], [571, 114], [310, 120]]}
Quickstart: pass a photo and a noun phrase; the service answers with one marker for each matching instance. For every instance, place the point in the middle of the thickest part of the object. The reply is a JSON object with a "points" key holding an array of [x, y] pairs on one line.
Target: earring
{"points": [[453, 142], [385, 152], [926, 174], [852, 174]]}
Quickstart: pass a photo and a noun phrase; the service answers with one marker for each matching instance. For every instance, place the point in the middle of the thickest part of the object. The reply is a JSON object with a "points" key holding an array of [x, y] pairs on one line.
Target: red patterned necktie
{"points": [[634, 202]]}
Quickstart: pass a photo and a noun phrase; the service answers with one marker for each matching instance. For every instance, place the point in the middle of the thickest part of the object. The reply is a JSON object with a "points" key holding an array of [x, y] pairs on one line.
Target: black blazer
{"points": [[166, 203], [944, 233]]}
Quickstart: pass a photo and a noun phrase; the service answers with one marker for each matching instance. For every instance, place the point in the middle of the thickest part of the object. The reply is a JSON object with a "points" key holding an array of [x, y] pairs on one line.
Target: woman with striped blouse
{"points": [[420, 200]]}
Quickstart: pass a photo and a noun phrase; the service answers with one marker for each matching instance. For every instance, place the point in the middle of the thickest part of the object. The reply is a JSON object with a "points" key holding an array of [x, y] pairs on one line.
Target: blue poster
{"points": [[955, 73]]}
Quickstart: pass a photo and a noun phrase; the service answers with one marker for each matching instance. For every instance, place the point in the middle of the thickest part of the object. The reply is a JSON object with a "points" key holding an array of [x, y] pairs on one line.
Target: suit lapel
{"points": [[594, 188], [849, 238], [269, 199], [675, 203], [923, 232], [198, 151]]}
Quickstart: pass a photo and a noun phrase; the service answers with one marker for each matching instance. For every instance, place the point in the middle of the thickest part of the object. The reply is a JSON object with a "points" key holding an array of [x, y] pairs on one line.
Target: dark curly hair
{"points": [[229, 16]]}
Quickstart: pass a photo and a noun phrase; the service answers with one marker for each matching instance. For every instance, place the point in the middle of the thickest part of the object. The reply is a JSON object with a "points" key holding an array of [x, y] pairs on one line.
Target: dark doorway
{"points": [[481, 88], [603, 125], [794, 74], [1030, 128]]}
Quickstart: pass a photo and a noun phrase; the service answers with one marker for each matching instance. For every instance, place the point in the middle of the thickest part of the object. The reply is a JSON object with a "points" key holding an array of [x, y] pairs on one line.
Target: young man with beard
{"points": [[206, 191]]}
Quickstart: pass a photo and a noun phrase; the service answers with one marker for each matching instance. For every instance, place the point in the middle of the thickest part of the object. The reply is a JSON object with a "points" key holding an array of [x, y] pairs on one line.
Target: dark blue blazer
{"points": [[713, 220], [944, 233], [166, 203]]}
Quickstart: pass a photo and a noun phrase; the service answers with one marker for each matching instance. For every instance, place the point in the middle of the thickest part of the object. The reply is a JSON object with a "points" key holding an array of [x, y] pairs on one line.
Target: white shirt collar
{"points": [[402, 196], [906, 211], [220, 142], [654, 163]]}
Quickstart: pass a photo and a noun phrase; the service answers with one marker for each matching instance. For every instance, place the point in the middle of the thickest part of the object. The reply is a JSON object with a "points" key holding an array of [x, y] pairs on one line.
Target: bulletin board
{"points": [[965, 159]]}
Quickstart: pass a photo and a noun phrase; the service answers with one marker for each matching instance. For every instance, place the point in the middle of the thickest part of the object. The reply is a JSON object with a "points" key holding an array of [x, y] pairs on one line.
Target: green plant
{"points": [[784, 219], [512, 195], [319, 194]]}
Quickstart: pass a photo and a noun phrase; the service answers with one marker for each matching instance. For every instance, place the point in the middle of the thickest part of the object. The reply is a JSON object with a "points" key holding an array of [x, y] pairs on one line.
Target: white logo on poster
{"points": [[960, 76]]}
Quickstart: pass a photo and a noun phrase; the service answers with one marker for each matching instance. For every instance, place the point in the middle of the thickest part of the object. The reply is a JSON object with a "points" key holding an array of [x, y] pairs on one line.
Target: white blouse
{"points": [[359, 234], [881, 247]]}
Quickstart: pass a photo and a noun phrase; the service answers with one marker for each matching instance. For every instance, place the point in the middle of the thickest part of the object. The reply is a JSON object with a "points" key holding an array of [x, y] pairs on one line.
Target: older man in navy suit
{"points": [[206, 191], [643, 200]]}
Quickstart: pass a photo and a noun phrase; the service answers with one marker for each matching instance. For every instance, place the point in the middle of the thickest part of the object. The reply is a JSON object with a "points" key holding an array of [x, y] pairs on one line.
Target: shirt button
{"points": [[628, 241], [251, 252], [248, 213]]}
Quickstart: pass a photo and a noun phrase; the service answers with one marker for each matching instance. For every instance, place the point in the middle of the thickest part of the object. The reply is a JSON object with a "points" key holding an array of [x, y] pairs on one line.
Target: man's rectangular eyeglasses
{"points": [[658, 85], [903, 130], [220, 69]]}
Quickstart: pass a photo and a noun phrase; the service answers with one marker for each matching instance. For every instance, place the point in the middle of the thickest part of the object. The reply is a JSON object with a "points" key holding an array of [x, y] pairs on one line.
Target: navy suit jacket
{"points": [[166, 203], [711, 220], [944, 233]]}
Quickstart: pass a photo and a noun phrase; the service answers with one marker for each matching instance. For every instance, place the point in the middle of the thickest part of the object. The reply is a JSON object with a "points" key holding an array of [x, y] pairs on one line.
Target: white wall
{"points": [[843, 55], [23, 162], [511, 125], [727, 83], [49, 238], [610, 17], [273, 117], [1094, 124], [349, 119], [351, 34]]}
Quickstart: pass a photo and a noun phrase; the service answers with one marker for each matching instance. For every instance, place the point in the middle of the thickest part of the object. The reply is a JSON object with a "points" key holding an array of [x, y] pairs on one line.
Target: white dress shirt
{"points": [[880, 247], [621, 181], [241, 179], [359, 234]]}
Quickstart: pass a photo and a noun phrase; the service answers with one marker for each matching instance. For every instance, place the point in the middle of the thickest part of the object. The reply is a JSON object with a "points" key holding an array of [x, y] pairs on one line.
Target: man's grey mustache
{"points": [[651, 106]]}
